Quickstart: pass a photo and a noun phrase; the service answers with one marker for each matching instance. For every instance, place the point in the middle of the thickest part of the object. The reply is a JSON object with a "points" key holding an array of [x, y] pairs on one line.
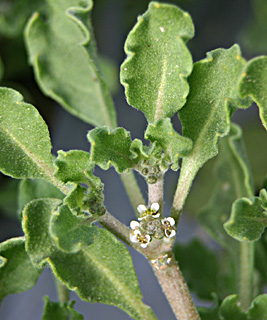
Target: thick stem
{"points": [[176, 291], [132, 189], [155, 192], [62, 292], [246, 271]]}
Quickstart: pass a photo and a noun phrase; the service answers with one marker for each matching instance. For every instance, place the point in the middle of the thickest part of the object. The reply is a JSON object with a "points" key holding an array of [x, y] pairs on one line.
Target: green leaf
{"points": [[173, 144], [17, 273], [232, 180], [25, 148], [211, 313], [69, 232], [74, 166], [253, 84], [60, 311], [111, 148], [35, 189], [230, 309], [263, 198], [213, 97], [13, 16], [158, 61], [62, 52], [199, 267], [9, 197], [247, 220], [100, 272], [258, 309]]}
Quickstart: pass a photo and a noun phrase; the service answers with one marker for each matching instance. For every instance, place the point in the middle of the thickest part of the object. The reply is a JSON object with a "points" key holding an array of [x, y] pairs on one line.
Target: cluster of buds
{"points": [[162, 262], [151, 225]]}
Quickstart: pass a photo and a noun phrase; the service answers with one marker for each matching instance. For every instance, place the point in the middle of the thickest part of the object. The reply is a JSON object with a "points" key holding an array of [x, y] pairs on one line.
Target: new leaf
{"points": [[158, 61]]}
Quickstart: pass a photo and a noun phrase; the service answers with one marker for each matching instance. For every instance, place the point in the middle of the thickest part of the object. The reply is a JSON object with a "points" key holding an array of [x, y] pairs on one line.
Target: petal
{"points": [[144, 245], [141, 208], [156, 215], [155, 206], [134, 224], [173, 233], [171, 221], [133, 238], [148, 237]]}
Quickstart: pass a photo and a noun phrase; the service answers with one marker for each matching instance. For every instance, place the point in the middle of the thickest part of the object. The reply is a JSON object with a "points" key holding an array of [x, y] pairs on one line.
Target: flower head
{"points": [[168, 227], [136, 235], [145, 212]]}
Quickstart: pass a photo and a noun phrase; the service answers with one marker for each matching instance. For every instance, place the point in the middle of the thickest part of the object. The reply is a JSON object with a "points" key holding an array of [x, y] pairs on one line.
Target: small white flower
{"points": [[168, 227], [141, 208], [134, 224], [136, 235], [145, 212]]}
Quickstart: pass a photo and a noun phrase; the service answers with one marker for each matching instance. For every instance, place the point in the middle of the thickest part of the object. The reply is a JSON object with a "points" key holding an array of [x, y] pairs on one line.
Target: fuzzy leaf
{"points": [[158, 61], [17, 273], [173, 144], [35, 189], [213, 97], [258, 309], [25, 148], [247, 220], [232, 180], [60, 311], [111, 148], [74, 166], [253, 84], [230, 309], [100, 272], [62, 52]]}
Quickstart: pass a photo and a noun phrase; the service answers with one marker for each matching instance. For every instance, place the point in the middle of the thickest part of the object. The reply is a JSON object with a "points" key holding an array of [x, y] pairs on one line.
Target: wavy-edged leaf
{"points": [[74, 166], [60, 311], [232, 180], [173, 144], [111, 147], [17, 273], [213, 97], [36, 189], [100, 272], [62, 52], [25, 147], [247, 220], [158, 61], [253, 84]]}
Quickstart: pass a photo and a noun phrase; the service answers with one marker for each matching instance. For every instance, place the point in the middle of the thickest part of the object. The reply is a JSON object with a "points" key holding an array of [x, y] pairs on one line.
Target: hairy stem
{"points": [[155, 192], [62, 292], [176, 291], [132, 189], [246, 272]]}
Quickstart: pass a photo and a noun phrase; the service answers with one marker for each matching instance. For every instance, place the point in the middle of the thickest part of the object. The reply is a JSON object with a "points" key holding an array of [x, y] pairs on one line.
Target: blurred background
{"points": [[218, 23]]}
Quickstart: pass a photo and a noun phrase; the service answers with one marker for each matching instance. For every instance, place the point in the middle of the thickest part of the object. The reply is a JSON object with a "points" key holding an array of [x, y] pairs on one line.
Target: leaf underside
{"points": [[62, 52]]}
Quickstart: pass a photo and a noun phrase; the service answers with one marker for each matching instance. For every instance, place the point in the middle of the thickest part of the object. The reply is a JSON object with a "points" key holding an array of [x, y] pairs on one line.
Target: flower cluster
{"points": [[150, 225]]}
